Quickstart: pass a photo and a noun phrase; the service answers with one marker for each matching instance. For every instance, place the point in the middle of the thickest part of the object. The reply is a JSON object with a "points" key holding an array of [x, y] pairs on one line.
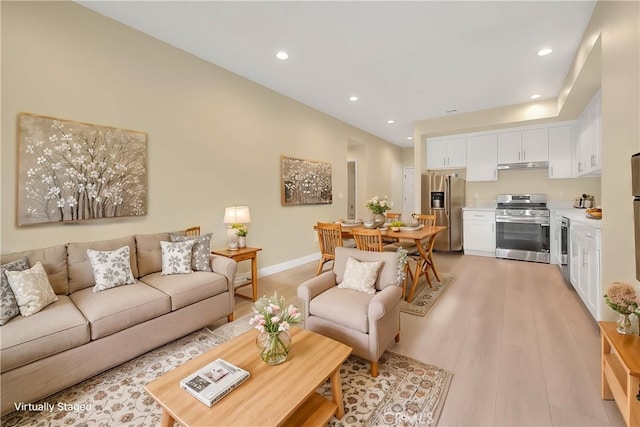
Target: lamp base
{"points": [[232, 239]]}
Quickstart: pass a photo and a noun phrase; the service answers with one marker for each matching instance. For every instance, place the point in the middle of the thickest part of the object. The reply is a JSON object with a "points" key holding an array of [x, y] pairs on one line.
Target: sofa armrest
{"points": [[383, 302], [227, 267], [313, 287]]}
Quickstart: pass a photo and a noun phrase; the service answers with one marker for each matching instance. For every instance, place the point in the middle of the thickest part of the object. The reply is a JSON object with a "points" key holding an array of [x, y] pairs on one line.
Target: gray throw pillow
{"points": [[201, 252], [8, 303]]}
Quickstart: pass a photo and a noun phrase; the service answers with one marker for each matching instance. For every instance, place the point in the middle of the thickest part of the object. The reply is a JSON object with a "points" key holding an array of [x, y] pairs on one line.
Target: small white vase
{"points": [[242, 241]]}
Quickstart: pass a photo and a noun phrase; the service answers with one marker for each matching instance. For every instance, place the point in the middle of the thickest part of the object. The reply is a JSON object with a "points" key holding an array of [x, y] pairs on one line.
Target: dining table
{"points": [[421, 236]]}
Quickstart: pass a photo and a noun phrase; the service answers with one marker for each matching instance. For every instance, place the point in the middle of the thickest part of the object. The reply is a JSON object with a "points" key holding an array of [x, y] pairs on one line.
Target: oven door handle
{"points": [[543, 222]]}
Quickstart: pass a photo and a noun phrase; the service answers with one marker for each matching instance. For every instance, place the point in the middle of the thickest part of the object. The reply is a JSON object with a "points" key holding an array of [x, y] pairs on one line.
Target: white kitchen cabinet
{"points": [[482, 158], [479, 232], [584, 266], [588, 138], [560, 152], [448, 153], [523, 146]]}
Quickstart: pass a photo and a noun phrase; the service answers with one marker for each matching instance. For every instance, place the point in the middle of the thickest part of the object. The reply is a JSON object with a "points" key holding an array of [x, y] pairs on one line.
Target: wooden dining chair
{"points": [[329, 238], [393, 216], [424, 219], [192, 231]]}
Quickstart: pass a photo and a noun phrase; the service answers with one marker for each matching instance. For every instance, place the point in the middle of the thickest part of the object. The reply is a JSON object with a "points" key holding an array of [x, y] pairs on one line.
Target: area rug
{"points": [[424, 296], [406, 392]]}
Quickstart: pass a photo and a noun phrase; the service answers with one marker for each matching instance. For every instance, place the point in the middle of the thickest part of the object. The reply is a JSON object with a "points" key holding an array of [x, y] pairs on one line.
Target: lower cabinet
{"points": [[584, 266], [479, 233]]}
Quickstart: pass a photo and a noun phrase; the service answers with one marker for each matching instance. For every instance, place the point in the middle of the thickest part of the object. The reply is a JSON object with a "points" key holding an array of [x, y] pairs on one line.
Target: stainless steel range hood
{"points": [[528, 165]]}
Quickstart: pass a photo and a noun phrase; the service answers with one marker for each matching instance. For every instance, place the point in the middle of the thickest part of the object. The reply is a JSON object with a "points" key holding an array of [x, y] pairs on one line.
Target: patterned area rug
{"points": [[424, 296], [406, 392]]}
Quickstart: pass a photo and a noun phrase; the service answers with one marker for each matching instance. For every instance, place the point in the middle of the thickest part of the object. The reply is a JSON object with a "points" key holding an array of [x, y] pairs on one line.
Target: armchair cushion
{"points": [[345, 307], [388, 275], [360, 275]]}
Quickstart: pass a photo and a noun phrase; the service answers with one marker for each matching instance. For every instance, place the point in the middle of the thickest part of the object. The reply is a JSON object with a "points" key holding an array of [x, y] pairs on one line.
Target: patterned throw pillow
{"points": [[201, 252], [176, 257], [8, 304], [111, 268], [32, 289], [360, 275]]}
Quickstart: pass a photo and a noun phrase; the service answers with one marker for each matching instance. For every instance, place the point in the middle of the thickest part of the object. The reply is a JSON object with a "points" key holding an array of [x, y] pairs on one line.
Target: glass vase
{"points": [[378, 219], [624, 325], [273, 347]]}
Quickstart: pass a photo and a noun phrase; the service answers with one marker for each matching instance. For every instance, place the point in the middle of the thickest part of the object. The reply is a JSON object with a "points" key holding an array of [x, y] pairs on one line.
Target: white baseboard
{"points": [[277, 268]]}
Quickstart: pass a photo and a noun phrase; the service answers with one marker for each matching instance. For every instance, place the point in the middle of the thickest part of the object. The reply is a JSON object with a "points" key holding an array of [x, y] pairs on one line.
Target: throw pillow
{"points": [[32, 289], [176, 257], [360, 275], [111, 268], [201, 252], [8, 304]]}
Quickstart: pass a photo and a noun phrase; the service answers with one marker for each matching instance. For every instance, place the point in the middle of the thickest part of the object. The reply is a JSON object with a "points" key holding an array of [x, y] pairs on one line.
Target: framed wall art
{"points": [[305, 182], [70, 171]]}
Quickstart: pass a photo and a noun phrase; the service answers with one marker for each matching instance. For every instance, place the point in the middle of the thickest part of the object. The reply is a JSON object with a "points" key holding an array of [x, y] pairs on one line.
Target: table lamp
{"points": [[236, 217]]}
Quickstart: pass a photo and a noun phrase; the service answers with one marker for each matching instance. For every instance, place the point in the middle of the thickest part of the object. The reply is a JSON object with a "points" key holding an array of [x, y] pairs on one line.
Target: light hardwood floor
{"points": [[523, 349]]}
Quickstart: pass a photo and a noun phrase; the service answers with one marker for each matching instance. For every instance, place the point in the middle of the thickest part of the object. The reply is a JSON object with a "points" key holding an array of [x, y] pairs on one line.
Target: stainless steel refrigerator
{"points": [[443, 196]]}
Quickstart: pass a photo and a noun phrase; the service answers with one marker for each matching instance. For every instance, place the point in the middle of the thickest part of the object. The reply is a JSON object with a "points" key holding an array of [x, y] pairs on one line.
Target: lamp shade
{"points": [[237, 215]]}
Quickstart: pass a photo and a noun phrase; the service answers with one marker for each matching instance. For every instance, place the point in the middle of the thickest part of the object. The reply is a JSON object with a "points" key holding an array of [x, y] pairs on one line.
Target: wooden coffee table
{"points": [[279, 395]]}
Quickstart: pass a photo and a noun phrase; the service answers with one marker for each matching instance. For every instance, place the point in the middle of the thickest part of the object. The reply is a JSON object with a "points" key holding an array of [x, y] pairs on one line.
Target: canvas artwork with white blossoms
{"points": [[70, 171]]}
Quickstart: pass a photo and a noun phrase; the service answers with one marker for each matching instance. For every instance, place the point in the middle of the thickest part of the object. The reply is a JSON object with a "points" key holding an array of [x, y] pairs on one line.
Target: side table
{"points": [[621, 371], [244, 254]]}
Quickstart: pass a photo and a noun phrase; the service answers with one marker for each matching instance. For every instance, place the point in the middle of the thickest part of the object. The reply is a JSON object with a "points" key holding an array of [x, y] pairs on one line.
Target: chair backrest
{"points": [[368, 239], [329, 237], [387, 275], [393, 216], [192, 231], [425, 219]]}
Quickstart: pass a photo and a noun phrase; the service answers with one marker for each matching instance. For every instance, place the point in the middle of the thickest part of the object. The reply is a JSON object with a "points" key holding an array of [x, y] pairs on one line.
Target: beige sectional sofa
{"points": [[84, 332]]}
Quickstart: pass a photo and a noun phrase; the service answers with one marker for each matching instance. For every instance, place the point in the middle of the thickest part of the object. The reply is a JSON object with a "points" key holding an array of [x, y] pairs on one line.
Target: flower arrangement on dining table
{"points": [[379, 205], [271, 317]]}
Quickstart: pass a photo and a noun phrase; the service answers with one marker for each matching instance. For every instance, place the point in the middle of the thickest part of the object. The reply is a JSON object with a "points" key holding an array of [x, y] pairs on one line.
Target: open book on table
{"points": [[214, 381]]}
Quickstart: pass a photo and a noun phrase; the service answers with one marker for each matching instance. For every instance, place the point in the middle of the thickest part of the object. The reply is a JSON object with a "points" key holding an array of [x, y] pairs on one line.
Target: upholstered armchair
{"points": [[337, 303]]}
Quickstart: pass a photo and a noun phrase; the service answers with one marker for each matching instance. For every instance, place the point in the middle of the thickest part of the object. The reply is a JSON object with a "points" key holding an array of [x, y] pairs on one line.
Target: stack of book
{"points": [[214, 381]]}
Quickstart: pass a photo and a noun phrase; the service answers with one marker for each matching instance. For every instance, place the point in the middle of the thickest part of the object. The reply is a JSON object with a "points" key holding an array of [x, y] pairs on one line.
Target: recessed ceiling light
{"points": [[409, 138], [391, 122], [282, 55], [545, 51], [353, 98], [535, 96]]}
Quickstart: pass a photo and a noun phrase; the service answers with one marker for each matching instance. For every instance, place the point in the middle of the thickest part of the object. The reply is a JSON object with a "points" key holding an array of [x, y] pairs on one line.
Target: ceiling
{"points": [[406, 61]]}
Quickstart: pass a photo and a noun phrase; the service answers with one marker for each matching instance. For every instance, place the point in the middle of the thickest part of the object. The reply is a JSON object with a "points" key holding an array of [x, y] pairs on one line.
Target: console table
{"points": [[621, 371], [244, 254]]}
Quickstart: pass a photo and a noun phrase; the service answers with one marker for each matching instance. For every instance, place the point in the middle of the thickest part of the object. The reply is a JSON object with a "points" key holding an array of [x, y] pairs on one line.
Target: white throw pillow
{"points": [[360, 275], [176, 257], [32, 289], [111, 268]]}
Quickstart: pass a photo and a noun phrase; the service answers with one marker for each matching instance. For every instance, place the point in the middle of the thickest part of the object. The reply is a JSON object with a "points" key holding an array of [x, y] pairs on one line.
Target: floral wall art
{"points": [[305, 182], [70, 171]]}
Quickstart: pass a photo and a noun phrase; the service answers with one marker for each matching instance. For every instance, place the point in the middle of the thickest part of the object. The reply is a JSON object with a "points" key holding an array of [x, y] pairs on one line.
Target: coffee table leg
{"points": [[167, 420], [336, 388]]}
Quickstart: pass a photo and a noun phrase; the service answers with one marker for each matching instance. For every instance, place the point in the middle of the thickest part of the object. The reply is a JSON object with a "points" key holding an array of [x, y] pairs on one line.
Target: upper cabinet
{"points": [[588, 138], [560, 152], [482, 155], [449, 153], [523, 146]]}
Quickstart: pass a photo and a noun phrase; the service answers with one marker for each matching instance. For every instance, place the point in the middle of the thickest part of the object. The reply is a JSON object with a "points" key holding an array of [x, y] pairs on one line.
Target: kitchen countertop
{"points": [[480, 209], [578, 215]]}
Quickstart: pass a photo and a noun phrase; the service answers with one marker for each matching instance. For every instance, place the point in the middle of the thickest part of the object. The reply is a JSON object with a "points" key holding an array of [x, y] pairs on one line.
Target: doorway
{"points": [[351, 189]]}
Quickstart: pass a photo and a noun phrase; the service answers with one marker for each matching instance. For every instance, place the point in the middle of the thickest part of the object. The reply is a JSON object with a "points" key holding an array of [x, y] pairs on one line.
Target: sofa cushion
{"points": [[186, 289], [32, 289], [111, 268], [8, 305], [149, 252], [346, 307], [54, 261], [119, 308], [80, 271], [56, 328], [201, 252], [176, 257]]}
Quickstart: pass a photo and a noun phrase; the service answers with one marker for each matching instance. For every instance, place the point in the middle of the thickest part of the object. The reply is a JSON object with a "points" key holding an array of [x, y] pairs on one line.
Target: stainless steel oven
{"points": [[522, 227], [564, 248]]}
